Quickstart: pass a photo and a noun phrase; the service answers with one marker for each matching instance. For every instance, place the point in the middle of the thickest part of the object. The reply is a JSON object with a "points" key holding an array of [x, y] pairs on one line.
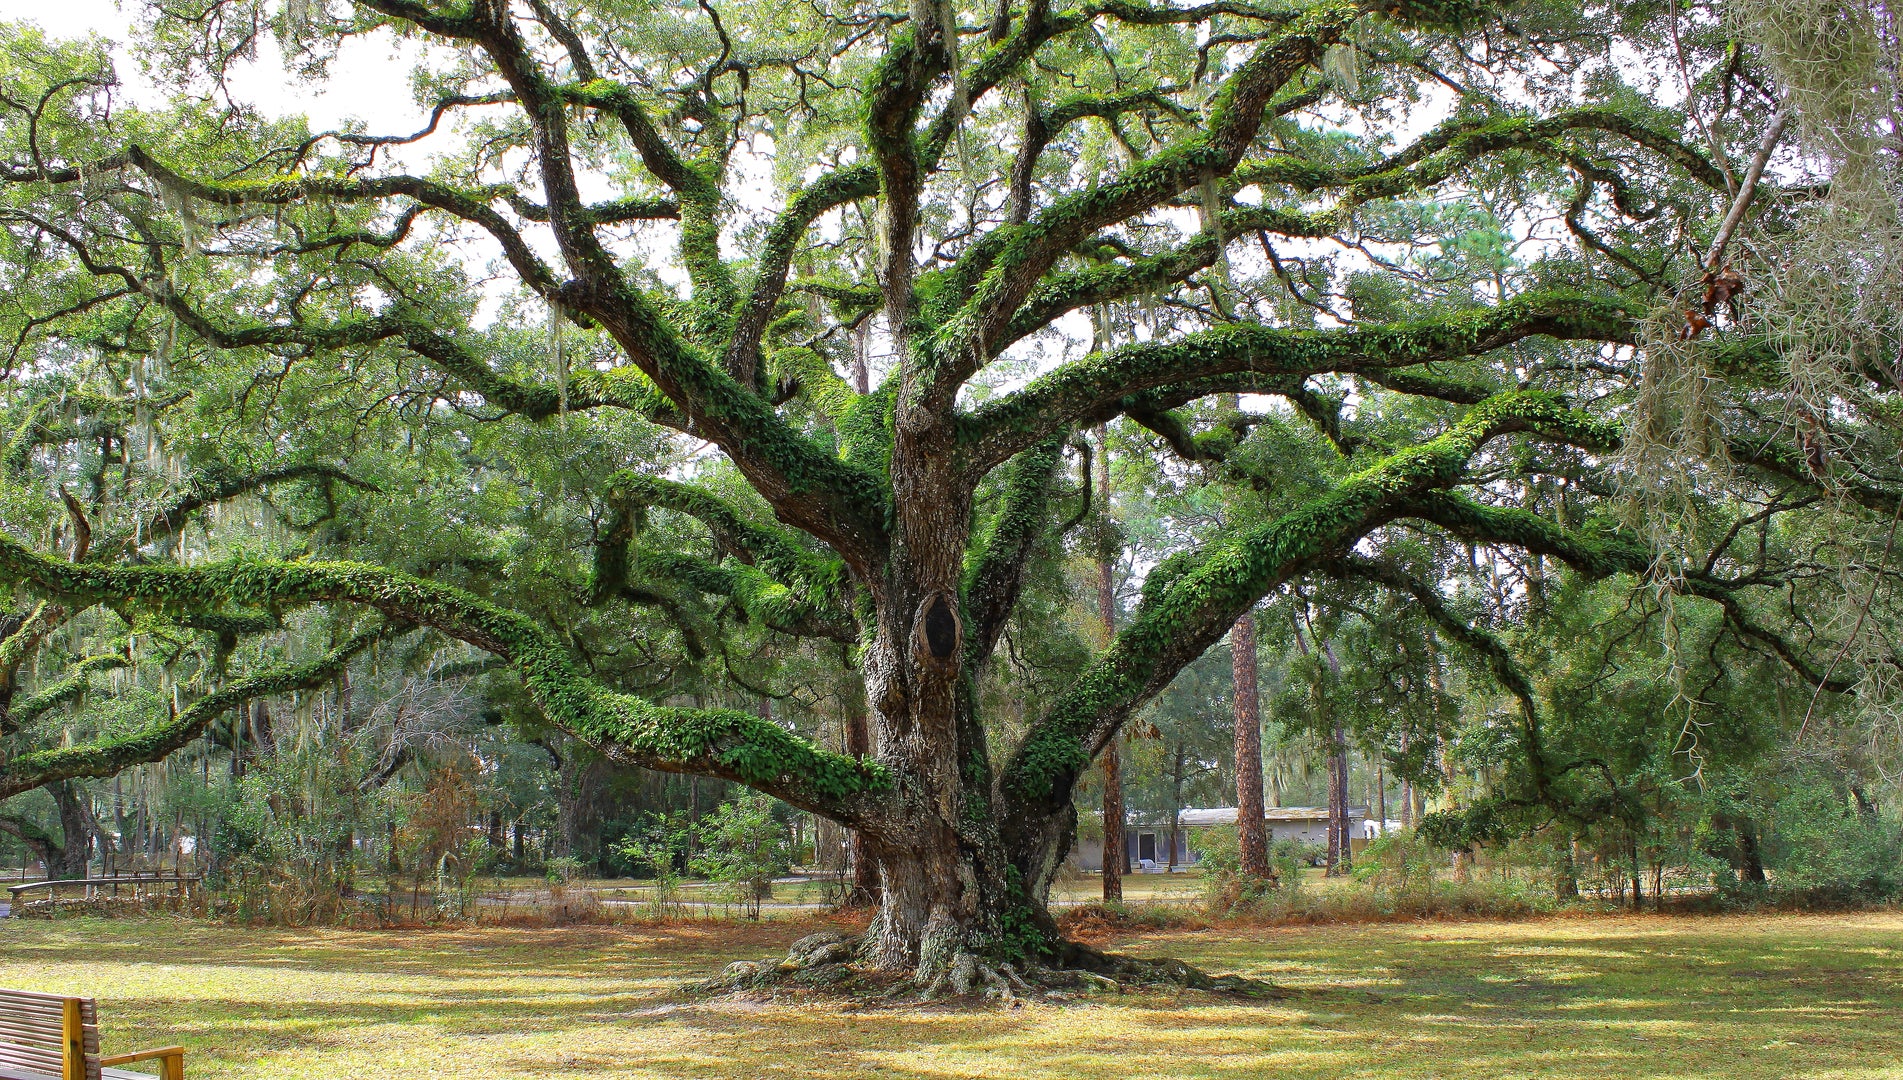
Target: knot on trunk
{"points": [[939, 634]]}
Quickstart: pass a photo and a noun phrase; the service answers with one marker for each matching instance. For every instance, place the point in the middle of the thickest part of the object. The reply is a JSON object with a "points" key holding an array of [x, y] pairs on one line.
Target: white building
{"points": [[1148, 839]]}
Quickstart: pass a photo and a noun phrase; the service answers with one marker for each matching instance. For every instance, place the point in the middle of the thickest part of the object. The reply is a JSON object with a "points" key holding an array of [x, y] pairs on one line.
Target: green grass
{"points": [[1744, 996]]}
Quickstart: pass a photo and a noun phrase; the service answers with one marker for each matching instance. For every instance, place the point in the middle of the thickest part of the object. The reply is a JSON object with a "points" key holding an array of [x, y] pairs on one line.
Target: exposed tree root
{"points": [[828, 964]]}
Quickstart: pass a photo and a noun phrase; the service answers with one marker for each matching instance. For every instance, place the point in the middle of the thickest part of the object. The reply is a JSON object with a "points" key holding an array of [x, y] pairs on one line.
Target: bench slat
{"points": [[28, 999], [16, 1027], [34, 1008], [40, 1062], [33, 1033]]}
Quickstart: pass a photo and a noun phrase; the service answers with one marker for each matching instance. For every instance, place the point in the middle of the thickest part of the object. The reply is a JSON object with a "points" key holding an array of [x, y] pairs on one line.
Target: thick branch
{"points": [[995, 579], [1191, 600], [1064, 398], [77, 681], [1599, 557], [113, 754], [713, 742]]}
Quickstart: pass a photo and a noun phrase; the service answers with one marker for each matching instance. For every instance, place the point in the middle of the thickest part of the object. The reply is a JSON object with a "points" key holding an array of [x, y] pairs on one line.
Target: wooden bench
{"points": [[49, 1037]]}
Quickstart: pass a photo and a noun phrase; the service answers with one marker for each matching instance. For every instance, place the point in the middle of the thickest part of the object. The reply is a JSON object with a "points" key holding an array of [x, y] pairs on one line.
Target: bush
{"points": [[1226, 888], [743, 848], [1821, 848], [1399, 861], [657, 850]]}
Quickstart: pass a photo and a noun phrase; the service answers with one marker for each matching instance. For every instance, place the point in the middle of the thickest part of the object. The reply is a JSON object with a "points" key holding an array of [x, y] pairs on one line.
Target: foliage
{"points": [[742, 849], [661, 849], [770, 467]]}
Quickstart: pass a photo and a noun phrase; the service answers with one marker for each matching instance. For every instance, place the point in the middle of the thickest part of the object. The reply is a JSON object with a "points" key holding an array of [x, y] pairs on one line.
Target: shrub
{"points": [[1821, 848], [743, 848], [657, 849]]}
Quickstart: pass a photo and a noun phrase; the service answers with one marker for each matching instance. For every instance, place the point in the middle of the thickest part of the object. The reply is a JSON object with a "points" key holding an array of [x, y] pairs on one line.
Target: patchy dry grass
{"points": [[1587, 998]]}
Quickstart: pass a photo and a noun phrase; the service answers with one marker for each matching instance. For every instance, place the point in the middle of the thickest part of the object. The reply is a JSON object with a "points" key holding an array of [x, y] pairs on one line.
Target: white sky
{"points": [[377, 82]]}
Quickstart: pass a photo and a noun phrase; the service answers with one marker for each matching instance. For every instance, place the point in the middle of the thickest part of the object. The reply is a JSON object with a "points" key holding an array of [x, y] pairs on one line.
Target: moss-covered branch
{"points": [[1059, 294], [834, 189], [993, 278], [112, 754], [1600, 556], [754, 595], [1071, 394], [1771, 455], [713, 742], [1499, 659], [472, 206], [77, 681], [1191, 600], [1441, 153], [995, 577], [771, 549], [212, 485]]}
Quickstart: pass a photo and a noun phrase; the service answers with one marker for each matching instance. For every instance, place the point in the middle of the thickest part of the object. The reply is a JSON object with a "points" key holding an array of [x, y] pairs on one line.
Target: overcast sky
{"points": [[376, 81]]}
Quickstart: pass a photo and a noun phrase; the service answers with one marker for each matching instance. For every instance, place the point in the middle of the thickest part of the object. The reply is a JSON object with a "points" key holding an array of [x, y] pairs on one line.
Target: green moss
{"points": [[113, 753], [71, 688], [1075, 391], [717, 742], [1198, 596]]}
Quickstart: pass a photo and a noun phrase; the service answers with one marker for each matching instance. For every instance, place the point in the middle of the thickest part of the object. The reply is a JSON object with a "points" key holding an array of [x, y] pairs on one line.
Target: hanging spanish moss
{"points": [[1829, 297]]}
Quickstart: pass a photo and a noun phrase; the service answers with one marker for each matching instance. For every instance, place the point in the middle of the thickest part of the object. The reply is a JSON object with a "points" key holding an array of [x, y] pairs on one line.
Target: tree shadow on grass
{"points": [[1564, 999]]}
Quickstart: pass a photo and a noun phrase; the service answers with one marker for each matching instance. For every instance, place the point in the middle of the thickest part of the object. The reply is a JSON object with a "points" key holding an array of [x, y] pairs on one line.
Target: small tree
{"points": [[659, 847], [743, 849]]}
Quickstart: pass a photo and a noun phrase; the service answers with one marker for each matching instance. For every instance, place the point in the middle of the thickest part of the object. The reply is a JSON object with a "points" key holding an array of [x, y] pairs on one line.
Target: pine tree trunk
{"points": [[1343, 826], [1337, 798], [1116, 856], [1381, 795], [1251, 818]]}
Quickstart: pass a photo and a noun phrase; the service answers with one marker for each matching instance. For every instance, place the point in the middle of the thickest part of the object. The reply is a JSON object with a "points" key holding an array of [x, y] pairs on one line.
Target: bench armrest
{"points": [[171, 1060]]}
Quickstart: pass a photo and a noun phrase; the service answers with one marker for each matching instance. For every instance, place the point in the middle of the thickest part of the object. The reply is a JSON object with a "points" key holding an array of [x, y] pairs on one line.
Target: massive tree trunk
{"points": [[941, 870], [1251, 817]]}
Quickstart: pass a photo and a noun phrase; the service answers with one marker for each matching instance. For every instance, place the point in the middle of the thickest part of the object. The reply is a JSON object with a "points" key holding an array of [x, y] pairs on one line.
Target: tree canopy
{"points": [[689, 342]]}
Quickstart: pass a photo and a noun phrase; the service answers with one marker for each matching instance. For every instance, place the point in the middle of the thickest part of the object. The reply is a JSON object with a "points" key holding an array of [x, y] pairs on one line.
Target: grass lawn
{"points": [[1813, 996]]}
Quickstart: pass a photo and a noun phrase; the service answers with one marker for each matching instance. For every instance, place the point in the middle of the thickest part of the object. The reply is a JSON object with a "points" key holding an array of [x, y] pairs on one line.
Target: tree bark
{"points": [[1752, 870], [1337, 800], [944, 887], [75, 852], [1176, 809], [1251, 817], [1381, 795], [862, 890], [1116, 849], [1566, 882], [1116, 855]]}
